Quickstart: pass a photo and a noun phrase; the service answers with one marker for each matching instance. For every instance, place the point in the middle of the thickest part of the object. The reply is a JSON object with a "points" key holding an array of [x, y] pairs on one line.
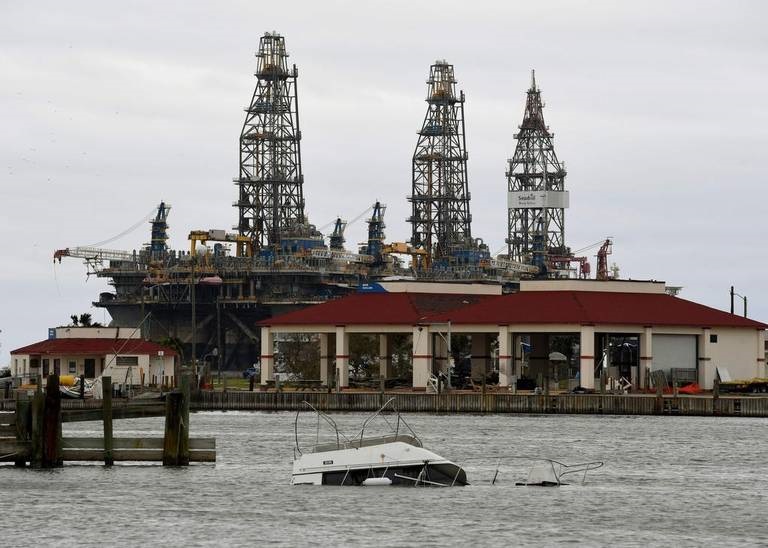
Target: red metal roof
{"points": [[84, 346], [596, 307], [527, 307], [377, 308]]}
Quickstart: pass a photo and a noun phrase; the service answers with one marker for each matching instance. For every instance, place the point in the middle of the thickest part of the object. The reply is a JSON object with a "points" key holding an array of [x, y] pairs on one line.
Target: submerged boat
{"points": [[396, 458]]}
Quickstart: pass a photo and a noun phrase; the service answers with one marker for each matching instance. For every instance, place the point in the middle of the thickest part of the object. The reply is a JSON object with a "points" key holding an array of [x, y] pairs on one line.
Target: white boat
{"points": [[397, 458]]}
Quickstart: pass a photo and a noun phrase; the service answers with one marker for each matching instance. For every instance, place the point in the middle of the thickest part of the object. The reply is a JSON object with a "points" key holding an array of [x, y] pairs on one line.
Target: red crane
{"points": [[602, 260]]}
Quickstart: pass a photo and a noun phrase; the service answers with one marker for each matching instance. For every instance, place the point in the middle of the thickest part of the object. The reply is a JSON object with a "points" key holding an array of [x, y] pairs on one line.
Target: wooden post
{"points": [[715, 396], [38, 413], [23, 425], [602, 381], [659, 395], [251, 382], [82, 387], [184, 423], [176, 441], [106, 395], [52, 424], [172, 419]]}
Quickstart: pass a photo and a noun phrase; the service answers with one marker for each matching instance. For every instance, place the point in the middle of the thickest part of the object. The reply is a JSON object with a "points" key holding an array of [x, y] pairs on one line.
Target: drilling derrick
{"points": [[440, 216], [537, 196], [271, 200]]}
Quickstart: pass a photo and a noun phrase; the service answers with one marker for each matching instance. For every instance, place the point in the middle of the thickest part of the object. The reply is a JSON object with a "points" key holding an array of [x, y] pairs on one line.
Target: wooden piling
{"points": [[176, 441], [184, 424], [171, 437], [38, 416], [106, 401], [52, 424], [23, 426]]}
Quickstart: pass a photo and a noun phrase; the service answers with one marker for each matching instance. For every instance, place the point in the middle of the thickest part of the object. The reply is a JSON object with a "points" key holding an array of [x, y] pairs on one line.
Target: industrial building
{"points": [[624, 330], [221, 293], [93, 351]]}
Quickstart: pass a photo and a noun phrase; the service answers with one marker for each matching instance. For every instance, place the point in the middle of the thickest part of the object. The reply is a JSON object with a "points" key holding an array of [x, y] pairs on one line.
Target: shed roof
{"points": [[93, 346], [528, 307]]}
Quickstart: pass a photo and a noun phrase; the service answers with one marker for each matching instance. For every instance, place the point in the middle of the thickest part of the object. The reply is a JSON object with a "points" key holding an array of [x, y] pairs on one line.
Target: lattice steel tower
{"points": [[440, 198], [271, 198], [537, 195]]}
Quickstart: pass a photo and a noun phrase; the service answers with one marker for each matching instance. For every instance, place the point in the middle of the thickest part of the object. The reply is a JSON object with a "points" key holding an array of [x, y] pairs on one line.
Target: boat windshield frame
{"points": [[401, 431]]}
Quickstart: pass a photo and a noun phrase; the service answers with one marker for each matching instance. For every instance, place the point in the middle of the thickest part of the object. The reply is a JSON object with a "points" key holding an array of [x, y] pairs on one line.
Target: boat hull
{"points": [[401, 463]]}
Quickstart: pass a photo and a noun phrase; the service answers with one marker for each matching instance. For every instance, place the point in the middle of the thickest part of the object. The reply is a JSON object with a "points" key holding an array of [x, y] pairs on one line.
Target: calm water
{"points": [[666, 482]]}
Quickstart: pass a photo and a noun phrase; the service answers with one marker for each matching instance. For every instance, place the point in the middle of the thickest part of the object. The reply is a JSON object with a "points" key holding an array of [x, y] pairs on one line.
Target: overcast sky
{"points": [[658, 109]]}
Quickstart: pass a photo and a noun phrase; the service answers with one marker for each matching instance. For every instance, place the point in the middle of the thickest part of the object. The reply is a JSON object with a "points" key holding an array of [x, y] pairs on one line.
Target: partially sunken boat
{"points": [[396, 458]]}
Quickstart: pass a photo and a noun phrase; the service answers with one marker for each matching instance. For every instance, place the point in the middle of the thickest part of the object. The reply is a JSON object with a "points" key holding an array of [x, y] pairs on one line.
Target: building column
{"points": [[267, 359], [518, 356], [385, 356], [706, 369], [342, 357], [505, 356], [480, 355], [324, 358], [645, 353], [587, 357], [760, 369], [422, 356], [440, 352]]}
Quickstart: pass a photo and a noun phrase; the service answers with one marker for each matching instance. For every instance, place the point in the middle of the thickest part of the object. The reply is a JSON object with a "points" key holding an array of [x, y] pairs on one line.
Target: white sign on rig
{"points": [[536, 199]]}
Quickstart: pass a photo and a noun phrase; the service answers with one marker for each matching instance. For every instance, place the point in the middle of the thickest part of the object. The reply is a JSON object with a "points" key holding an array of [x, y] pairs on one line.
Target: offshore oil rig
{"points": [[210, 296]]}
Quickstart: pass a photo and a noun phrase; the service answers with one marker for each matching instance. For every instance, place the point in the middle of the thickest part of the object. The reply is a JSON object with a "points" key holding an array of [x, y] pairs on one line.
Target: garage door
{"points": [[673, 351]]}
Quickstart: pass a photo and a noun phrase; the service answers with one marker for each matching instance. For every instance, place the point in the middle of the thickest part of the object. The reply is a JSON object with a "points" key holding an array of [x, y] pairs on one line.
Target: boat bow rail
{"points": [[527, 471]]}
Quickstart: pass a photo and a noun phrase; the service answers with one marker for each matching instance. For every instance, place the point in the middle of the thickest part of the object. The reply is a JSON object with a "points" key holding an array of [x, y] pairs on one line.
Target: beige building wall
{"points": [[611, 286], [737, 351], [151, 365], [406, 286], [97, 333]]}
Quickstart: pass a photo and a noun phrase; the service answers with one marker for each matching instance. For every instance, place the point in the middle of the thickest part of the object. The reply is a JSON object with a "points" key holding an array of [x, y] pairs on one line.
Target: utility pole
{"points": [[742, 297]]}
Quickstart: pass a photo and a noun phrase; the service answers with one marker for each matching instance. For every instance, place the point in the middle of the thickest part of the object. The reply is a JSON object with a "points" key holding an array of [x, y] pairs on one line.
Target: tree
{"points": [[74, 319], [363, 352], [85, 320], [299, 356]]}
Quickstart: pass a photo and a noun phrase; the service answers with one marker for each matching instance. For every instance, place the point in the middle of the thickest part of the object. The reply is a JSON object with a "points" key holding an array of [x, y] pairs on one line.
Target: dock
{"points": [[473, 402], [30, 430]]}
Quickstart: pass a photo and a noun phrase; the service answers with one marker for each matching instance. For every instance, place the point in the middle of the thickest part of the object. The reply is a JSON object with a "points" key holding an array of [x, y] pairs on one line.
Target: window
{"points": [[126, 361], [713, 338], [72, 368], [46, 367], [34, 363]]}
